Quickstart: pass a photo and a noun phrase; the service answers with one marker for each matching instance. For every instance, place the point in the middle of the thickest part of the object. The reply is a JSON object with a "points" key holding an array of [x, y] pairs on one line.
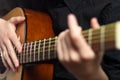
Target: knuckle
{"points": [[75, 58], [74, 37], [5, 38], [63, 34], [87, 58], [11, 36], [11, 19]]}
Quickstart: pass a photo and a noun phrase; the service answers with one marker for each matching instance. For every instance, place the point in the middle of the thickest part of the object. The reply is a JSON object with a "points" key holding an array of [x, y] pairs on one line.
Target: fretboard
{"points": [[40, 50], [99, 39]]}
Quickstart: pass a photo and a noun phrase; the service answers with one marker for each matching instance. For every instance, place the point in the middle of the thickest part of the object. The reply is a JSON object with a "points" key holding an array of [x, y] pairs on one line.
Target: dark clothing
{"points": [[106, 11], [6, 5]]}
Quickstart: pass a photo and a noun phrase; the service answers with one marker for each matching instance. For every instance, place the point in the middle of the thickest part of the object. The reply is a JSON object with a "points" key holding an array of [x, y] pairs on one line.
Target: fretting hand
{"points": [[76, 55]]}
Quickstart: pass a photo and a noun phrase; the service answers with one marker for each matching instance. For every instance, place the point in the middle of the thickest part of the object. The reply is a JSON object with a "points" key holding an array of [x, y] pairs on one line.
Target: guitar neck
{"points": [[105, 38]]}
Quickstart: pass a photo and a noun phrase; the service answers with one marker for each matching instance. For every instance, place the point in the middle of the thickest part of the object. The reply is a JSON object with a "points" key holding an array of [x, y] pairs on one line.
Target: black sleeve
{"points": [[6, 6], [112, 14], [115, 10], [111, 64], [39, 5]]}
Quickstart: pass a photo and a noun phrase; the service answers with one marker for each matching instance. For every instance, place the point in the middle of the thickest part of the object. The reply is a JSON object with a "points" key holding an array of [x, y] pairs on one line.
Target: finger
{"points": [[16, 20], [65, 46], [7, 61], [94, 23], [72, 23], [75, 32], [16, 41], [78, 39], [72, 53], [59, 46], [11, 52], [3, 57]]}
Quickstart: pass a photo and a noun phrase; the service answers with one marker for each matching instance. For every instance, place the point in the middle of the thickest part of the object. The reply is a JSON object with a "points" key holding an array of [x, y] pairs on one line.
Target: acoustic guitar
{"points": [[39, 44]]}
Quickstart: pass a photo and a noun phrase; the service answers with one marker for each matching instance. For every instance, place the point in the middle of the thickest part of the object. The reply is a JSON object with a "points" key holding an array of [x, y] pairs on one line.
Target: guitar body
{"points": [[37, 26]]}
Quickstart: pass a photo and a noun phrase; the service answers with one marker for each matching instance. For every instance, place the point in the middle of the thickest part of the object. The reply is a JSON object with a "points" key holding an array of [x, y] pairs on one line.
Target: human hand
{"points": [[76, 55], [9, 39]]}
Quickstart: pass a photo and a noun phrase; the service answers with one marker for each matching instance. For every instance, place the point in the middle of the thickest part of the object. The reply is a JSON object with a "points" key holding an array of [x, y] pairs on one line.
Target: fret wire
{"points": [[90, 37], [24, 52], [39, 50], [55, 46], [49, 48], [32, 54], [44, 49], [28, 44], [31, 51], [21, 55], [34, 50], [102, 39]]}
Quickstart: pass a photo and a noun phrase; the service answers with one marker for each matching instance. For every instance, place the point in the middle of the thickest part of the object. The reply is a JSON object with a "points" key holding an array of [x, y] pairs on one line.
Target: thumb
{"points": [[16, 20]]}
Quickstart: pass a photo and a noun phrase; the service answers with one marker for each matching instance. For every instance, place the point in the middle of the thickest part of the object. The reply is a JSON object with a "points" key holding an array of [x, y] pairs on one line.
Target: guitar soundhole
{"points": [[2, 67]]}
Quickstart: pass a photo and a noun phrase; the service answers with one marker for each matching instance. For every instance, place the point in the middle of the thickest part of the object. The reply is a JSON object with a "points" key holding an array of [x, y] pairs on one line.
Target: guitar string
{"points": [[109, 36], [84, 35], [93, 38]]}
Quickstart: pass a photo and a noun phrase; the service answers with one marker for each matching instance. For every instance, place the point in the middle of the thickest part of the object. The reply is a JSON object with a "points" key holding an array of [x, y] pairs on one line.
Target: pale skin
{"points": [[76, 55], [73, 51], [8, 39]]}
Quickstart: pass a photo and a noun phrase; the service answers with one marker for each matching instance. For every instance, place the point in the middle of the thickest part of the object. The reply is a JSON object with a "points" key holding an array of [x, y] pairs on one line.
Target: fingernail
{"points": [[20, 50], [14, 70], [17, 69], [17, 64]]}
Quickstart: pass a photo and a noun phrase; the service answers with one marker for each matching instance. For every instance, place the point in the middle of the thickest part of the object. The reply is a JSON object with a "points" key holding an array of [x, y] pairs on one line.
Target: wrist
{"points": [[97, 75]]}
